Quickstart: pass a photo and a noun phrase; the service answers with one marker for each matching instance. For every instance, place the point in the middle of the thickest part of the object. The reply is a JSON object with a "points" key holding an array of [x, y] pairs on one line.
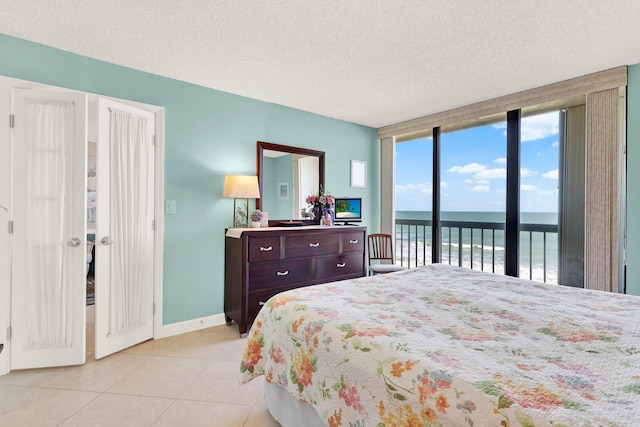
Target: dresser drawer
{"points": [[258, 299], [311, 244], [278, 275], [264, 249], [329, 267], [352, 242]]}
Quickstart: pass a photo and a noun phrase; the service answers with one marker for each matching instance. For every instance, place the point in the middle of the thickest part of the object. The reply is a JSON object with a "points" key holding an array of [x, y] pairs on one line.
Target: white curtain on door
{"points": [[129, 146], [48, 222]]}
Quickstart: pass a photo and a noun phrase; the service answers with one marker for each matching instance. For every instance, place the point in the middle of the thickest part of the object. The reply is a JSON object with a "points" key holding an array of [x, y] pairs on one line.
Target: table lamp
{"points": [[241, 187]]}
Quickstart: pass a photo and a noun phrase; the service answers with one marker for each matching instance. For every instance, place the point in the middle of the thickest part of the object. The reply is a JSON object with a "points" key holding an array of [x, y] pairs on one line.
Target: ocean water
{"points": [[481, 251]]}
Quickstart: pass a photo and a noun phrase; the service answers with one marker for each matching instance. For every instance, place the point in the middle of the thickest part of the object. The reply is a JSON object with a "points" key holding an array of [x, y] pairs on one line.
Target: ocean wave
{"points": [[469, 246]]}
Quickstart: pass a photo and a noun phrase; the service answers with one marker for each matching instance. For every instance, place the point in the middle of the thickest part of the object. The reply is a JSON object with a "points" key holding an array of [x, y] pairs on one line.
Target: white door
{"points": [[48, 284], [124, 227]]}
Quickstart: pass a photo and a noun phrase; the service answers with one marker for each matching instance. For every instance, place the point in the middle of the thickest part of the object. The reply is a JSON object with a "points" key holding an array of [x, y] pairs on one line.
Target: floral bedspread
{"points": [[446, 346]]}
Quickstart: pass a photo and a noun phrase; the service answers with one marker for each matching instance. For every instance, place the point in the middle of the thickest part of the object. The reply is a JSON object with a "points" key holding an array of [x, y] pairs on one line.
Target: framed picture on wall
{"points": [[283, 191], [358, 173]]}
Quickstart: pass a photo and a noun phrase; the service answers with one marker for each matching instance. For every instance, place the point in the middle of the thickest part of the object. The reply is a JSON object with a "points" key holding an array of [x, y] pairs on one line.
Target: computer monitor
{"points": [[348, 209]]}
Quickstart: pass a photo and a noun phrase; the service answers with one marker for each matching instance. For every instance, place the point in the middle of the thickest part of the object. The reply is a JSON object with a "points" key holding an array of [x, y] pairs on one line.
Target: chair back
{"points": [[380, 248]]}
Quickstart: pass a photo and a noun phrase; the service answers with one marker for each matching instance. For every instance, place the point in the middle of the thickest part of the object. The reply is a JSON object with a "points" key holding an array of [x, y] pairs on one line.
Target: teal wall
{"points": [[209, 134], [633, 178]]}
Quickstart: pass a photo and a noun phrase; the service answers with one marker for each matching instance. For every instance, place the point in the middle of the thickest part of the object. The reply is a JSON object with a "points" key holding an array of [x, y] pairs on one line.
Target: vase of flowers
{"points": [[256, 217], [322, 205]]}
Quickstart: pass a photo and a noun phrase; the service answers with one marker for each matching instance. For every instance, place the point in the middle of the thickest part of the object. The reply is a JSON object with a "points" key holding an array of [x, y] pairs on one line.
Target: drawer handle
{"points": [[314, 245], [261, 303], [353, 242], [341, 265], [263, 249], [282, 273]]}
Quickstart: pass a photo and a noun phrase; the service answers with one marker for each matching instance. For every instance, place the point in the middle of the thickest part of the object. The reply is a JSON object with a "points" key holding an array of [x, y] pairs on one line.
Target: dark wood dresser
{"points": [[263, 262]]}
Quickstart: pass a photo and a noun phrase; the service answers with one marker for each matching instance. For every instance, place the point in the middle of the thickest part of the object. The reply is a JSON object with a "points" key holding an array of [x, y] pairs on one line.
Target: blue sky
{"points": [[473, 169]]}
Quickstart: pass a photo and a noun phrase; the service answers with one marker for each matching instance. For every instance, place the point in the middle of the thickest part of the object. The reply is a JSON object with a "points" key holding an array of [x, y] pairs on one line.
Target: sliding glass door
{"points": [[414, 190], [473, 175], [539, 198], [509, 195]]}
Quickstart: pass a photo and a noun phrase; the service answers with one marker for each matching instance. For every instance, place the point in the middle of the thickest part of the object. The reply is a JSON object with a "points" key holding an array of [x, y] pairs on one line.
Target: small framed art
{"points": [[283, 191], [358, 173]]}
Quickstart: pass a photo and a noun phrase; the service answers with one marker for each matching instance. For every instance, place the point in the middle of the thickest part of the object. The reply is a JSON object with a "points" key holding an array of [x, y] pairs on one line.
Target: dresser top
{"points": [[238, 232]]}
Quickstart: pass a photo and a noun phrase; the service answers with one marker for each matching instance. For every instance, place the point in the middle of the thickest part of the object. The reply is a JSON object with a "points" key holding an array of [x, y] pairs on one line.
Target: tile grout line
{"points": [[163, 412], [81, 408]]}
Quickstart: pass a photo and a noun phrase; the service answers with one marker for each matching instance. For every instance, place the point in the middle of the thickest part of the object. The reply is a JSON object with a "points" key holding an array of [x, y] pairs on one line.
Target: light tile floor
{"points": [[184, 380]]}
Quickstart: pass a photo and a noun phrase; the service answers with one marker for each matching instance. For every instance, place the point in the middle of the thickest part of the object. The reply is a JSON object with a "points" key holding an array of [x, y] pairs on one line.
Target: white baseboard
{"points": [[189, 326]]}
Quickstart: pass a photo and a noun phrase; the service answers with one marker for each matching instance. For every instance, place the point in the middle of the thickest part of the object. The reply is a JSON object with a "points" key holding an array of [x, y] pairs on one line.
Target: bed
{"points": [[447, 346]]}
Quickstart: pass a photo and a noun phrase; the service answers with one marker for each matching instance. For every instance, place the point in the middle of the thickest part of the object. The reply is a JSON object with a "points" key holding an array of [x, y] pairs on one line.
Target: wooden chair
{"points": [[381, 249]]}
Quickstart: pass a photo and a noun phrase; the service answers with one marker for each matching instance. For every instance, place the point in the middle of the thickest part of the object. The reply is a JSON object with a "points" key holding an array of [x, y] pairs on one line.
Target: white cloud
{"points": [[481, 188], [524, 172], [501, 160], [551, 174], [468, 181], [540, 126], [555, 144], [528, 187], [535, 127], [482, 182], [501, 125], [546, 192], [425, 188], [480, 172], [495, 173], [470, 168]]}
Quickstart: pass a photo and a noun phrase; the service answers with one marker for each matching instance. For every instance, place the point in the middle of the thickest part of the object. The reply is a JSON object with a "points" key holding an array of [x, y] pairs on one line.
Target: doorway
{"points": [[71, 312]]}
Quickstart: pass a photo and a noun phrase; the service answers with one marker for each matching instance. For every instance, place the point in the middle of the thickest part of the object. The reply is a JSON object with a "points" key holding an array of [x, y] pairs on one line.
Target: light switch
{"points": [[170, 207]]}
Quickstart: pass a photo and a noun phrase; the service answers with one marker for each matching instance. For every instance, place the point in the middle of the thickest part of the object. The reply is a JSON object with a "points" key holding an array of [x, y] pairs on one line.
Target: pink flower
{"points": [[350, 396]]}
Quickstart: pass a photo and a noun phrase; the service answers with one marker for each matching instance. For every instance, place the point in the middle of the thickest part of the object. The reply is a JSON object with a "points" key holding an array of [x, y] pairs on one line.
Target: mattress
{"points": [[442, 345]]}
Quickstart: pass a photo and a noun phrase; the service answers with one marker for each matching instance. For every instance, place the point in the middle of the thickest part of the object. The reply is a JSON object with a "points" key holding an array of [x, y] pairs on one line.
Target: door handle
{"points": [[341, 265], [282, 273], [263, 249], [354, 241], [106, 240], [314, 245], [74, 242]]}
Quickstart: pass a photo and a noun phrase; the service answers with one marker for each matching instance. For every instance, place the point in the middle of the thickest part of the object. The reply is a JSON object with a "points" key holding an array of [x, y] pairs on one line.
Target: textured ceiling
{"points": [[373, 62]]}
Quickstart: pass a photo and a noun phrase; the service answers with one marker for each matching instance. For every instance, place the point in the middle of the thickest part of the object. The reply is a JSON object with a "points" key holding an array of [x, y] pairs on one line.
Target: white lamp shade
{"points": [[241, 187]]}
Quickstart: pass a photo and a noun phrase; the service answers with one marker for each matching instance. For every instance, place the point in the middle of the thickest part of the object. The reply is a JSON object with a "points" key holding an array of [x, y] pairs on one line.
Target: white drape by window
{"points": [[49, 144], [129, 143]]}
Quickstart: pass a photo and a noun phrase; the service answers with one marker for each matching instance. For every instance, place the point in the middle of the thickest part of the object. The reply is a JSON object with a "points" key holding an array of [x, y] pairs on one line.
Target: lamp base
{"points": [[240, 213]]}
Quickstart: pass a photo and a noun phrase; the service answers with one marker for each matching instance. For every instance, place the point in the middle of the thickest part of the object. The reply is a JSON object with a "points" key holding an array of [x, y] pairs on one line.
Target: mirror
{"points": [[287, 175]]}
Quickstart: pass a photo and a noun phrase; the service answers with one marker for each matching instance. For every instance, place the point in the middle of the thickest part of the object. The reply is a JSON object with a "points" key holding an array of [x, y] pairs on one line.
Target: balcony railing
{"points": [[480, 246]]}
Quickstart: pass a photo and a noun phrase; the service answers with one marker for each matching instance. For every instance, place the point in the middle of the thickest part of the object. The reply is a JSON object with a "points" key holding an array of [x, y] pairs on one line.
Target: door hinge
{"points": [[154, 308], [153, 224], [11, 120], [10, 227], [9, 333], [154, 140]]}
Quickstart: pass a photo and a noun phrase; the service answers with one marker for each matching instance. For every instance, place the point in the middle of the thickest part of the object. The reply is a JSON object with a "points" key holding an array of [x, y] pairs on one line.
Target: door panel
{"points": [[5, 208], [124, 227], [49, 233]]}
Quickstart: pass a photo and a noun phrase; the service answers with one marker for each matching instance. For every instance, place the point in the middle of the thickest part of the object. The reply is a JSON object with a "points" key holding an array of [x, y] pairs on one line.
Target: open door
{"points": [[49, 229], [124, 227]]}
